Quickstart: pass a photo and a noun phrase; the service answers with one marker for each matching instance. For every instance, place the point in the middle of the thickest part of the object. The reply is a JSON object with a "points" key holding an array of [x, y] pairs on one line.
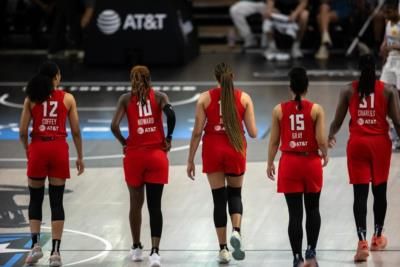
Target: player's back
{"points": [[297, 127], [49, 117]]}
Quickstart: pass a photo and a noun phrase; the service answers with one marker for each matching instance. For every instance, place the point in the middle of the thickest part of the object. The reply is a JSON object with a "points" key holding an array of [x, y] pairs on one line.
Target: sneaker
{"points": [[296, 52], [154, 260], [137, 254], [378, 243], [55, 260], [322, 53], [326, 39], [270, 53], [224, 256], [280, 56], [34, 255], [298, 263], [236, 242], [362, 252], [311, 258]]}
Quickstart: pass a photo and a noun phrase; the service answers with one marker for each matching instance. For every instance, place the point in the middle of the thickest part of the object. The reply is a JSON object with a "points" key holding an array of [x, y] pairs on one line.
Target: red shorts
{"points": [[299, 173], [145, 166], [219, 156], [368, 159], [48, 159]]}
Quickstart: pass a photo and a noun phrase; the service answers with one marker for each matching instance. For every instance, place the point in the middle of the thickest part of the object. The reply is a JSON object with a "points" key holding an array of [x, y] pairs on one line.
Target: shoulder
{"points": [[277, 111], [348, 90], [389, 90], [160, 95]]}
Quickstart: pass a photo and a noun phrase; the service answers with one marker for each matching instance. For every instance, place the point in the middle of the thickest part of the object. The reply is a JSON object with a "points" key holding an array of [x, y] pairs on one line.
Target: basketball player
{"points": [[47, 153], [220, 112], [391, 48], [145, 162], [369, 102], [298, 126]]}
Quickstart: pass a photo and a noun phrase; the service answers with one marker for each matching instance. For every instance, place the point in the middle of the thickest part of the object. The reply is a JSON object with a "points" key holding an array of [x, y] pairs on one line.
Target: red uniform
{"points": [[300, 167], [218, 154], [145, 161], [48, 151], [369, 148]]}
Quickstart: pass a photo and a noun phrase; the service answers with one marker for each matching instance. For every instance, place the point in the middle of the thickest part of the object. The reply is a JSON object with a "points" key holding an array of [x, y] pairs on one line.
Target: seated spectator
{"points": [[76, 14], [296, 13], [41, 14], [239, 12], [330, 11]]}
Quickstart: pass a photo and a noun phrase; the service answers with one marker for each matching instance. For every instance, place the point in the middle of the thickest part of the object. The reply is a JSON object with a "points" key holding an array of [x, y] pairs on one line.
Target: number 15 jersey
{"points": [[297, 127], [145, 123]]}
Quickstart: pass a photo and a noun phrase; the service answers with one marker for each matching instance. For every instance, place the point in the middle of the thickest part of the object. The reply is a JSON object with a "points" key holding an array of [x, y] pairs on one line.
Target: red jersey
{"points": [[145, 123], [297, 128], [368, 115], [214, 124], [49, 118]]}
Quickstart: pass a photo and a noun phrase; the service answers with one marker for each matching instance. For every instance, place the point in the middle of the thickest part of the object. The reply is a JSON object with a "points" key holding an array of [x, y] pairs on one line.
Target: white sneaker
{"points": [[55, 260], [34, 255], [326, 39], [224, 256], [137, 254], [281, 56], [270, 53], [236, 242], [296, 52], [155, 260], [322, 53]]}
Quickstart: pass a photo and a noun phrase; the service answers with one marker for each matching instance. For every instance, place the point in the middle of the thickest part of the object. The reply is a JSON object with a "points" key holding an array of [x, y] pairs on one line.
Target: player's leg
{"points": [[220, 199], [360, 216], [295, 207], [379, 241], [313, 225], [234, 192], [36, 193], [136, 197], [56, 195]]}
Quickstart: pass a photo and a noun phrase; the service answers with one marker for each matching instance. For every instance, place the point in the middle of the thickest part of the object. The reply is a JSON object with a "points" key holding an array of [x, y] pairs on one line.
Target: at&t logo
{"points": [[109, 22]]}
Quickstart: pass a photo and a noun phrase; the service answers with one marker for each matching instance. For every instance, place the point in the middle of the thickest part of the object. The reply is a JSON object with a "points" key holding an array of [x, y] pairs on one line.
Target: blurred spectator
{"points": [[295, 12], [239, 12], [331, 11], [3, 8], [74, 14], [41, 15]]}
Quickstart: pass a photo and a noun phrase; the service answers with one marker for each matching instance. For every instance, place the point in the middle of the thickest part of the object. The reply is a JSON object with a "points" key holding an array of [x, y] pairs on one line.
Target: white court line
{"points": [[115, 156], [106, 250], [3, 101], [189, 83]]}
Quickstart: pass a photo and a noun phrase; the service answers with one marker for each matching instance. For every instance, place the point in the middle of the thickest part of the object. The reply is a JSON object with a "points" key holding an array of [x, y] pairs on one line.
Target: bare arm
{"points": [[75, 131], [320, 132], [24, 123], [269, 8], [249, 116], [394, 108], [118, 115], [87, 16], [197, 132], [274, 141], [341, 111], [300, 8]]}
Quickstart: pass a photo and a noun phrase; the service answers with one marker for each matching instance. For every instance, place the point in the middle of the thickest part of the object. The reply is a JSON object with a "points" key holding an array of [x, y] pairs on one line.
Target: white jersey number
{"points": [[364, 102], [297, 122], [53, 106], [145, 110]]}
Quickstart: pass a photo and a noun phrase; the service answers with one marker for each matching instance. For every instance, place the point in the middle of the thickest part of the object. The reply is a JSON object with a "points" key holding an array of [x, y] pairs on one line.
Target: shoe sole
{"points": [[136, 259], [237, 253], [155, 264], [55, 264], [362, 257], [306, 264]]}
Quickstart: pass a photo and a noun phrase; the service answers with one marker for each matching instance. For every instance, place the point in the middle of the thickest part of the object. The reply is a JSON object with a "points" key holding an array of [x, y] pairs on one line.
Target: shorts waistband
{"points": [[48, 138], [301, 153]]}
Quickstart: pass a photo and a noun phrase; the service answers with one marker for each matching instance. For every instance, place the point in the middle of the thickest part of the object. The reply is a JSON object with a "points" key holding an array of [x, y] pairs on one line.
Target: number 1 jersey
{"points": [[297, 127], [145, 123], [49, 117]]}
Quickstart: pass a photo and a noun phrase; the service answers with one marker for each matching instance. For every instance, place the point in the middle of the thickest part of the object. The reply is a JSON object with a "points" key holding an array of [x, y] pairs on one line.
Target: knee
{"points": [[220, 199], [267, 26], [235, 200], [56, 194], [35, 203], [324, 9], [304, 15], [234, 10]]}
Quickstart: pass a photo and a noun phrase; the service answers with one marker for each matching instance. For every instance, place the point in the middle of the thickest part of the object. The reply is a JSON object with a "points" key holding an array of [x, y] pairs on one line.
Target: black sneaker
{"points": [[311, 258], [297, 262]]}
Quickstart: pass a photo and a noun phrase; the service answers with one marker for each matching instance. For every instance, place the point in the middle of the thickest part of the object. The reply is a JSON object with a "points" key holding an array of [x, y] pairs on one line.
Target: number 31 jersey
{"points": [[49, 118], [297, 127], [145, 123], [368, 115]]}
